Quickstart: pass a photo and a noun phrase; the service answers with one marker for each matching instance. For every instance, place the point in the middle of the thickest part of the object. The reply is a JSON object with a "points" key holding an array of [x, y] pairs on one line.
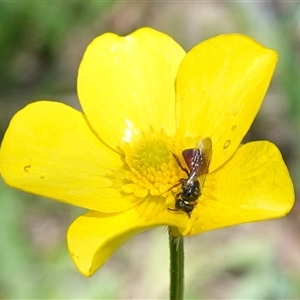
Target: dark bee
{"points": [[197, 161]]}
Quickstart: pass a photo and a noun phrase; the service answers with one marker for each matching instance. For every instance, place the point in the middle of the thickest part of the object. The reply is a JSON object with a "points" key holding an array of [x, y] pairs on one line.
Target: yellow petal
{"points": [[254, 185], [94, 237], [126, 84], [221, 84], [50, 150]]}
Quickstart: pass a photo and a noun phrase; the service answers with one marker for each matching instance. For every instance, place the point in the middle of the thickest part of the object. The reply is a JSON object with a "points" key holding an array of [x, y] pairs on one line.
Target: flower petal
{"points": [[254, 185], [221, 84], [50, 150], [94, 237], [126, 84]]}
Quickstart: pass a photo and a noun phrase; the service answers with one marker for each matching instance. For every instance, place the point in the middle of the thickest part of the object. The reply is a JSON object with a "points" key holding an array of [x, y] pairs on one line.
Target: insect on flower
{"points": [[197, 161]]}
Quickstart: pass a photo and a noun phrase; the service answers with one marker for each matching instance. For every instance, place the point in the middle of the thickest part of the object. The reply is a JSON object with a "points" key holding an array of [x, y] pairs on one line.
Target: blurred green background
{"points": [[41, 44]]}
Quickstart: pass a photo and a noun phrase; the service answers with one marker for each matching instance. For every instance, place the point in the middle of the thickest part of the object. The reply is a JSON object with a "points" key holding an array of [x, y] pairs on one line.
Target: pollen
{"points": [[151, 167]]}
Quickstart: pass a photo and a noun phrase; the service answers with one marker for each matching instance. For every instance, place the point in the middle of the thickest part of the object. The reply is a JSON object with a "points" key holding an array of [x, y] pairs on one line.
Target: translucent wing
{"points": [[205, 149], [198, 160], [191, 158]]}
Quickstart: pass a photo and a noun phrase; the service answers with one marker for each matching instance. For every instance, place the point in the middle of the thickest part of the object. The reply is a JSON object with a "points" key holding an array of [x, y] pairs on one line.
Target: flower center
{"points": [[152, 168]]}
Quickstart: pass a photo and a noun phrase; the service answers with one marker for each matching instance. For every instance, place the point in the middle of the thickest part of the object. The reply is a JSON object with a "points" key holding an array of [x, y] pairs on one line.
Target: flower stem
{"points": [[176, 267]]}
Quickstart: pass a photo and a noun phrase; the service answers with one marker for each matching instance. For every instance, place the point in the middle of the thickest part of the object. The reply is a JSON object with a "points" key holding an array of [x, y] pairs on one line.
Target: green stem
{"points": [[176, 267]]}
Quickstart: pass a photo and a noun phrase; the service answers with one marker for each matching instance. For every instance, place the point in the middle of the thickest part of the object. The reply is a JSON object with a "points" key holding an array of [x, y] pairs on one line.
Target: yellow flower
{"points": [[144, 98]]}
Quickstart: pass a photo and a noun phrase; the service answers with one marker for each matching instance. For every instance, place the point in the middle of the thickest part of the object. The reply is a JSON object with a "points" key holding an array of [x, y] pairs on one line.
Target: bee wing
{"points": [[191, 158], [198, 160], [205, 151]]}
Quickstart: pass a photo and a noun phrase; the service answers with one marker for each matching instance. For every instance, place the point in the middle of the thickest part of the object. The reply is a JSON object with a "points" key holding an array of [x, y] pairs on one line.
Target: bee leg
{"points": [[188, 213], [177, 197], [194, 203], [176, 202], [173, 209], [179, 164], [175, 185], [178, 209]]}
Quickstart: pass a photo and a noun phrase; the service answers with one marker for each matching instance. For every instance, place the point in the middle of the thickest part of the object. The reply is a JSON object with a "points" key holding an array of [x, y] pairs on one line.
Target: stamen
{"points": [[152, 168]]}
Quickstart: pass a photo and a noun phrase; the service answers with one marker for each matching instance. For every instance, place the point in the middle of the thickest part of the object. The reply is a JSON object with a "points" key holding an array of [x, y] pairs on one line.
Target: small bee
{"points": [[197, 161]]}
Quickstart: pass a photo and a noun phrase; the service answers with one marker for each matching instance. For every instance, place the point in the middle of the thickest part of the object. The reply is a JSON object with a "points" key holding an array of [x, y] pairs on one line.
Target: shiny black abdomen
{"points": [[190, 192]]}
